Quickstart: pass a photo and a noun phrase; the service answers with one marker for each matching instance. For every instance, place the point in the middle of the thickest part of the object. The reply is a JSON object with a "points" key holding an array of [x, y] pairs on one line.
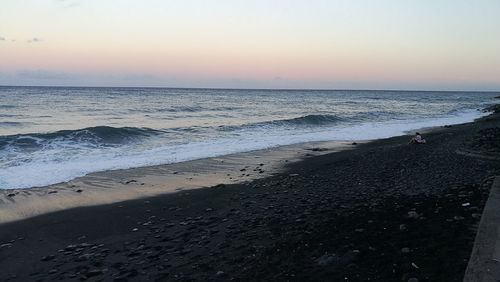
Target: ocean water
{"points": [[54, 134]]}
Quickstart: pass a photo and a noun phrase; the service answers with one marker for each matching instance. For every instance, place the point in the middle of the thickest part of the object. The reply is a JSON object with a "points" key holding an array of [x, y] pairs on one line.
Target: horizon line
{"points": [[252, 89]]}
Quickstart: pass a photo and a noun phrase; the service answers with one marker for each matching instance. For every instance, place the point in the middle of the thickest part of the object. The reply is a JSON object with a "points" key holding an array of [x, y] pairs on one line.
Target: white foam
{"points": [[55, 166]]}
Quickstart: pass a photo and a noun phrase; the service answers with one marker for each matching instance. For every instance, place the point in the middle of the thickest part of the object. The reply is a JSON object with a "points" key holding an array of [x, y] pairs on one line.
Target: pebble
{"points": [[47, 258], [6, 245], [413, 214], [476, 215], [405, 250], [326, 259]]}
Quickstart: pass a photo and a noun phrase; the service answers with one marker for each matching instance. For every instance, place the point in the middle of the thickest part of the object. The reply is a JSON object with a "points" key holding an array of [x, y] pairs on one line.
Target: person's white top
{"points": [[419, 139]]}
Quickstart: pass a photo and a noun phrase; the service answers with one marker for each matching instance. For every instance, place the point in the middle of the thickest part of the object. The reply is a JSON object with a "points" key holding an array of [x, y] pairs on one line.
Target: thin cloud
{"points": [[34, 40]]}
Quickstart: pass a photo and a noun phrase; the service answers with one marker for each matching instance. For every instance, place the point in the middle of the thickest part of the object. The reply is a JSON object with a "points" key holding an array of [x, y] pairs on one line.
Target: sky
{"points": [[314, 44]]}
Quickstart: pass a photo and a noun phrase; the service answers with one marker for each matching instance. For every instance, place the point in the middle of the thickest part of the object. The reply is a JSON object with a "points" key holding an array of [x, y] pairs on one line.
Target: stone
{"points": [[6, 245], [93, 272], [326, 259], [47, 258], [413, 214], [405, 250]]}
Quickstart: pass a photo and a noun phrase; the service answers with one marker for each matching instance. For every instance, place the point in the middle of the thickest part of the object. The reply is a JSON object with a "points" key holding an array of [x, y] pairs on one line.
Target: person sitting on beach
{"points": [[417, 139]]}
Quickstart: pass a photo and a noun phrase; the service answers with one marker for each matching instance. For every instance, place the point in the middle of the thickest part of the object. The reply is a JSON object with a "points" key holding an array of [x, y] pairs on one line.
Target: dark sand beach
{"points": [[385, 211]]}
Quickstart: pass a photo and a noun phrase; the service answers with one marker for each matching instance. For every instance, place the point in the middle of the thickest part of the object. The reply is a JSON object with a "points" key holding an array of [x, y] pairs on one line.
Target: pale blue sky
{"points": [[384, 44]]}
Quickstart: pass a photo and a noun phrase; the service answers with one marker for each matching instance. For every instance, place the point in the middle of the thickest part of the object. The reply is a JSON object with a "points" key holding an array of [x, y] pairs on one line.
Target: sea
{"points": [[50, 135]]}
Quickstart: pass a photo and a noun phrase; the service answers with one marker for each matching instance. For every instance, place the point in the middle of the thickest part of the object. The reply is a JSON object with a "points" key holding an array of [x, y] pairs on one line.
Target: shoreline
{"points": [[383, 211], [111, 186]]}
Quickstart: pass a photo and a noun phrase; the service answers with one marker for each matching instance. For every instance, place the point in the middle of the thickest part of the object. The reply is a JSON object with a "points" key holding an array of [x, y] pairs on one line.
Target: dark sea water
{"points": [[54, 134]]}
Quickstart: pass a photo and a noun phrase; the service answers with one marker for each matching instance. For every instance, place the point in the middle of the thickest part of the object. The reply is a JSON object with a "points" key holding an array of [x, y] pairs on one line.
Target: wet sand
{"points": [[119, 185], [385, 211]]}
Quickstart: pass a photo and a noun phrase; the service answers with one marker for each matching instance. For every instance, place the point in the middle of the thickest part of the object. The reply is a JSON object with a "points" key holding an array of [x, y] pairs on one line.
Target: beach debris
{"points": [[219, 273], [402, 227], [414, 265], [405, 250], [465, 204], [208, 209], [52, 192], [130, 181], [135, 230], [413, 279]]}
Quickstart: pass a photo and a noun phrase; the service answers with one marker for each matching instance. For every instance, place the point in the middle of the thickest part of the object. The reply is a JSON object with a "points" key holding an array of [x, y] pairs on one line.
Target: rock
{"points": [[11, 195], [70, 247], [405, 250], [413, 214], [326, 259], [6, 245], [93, 272], [476, 215], [354, 143], [47, 258], [79, 191], [52, 192]]}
